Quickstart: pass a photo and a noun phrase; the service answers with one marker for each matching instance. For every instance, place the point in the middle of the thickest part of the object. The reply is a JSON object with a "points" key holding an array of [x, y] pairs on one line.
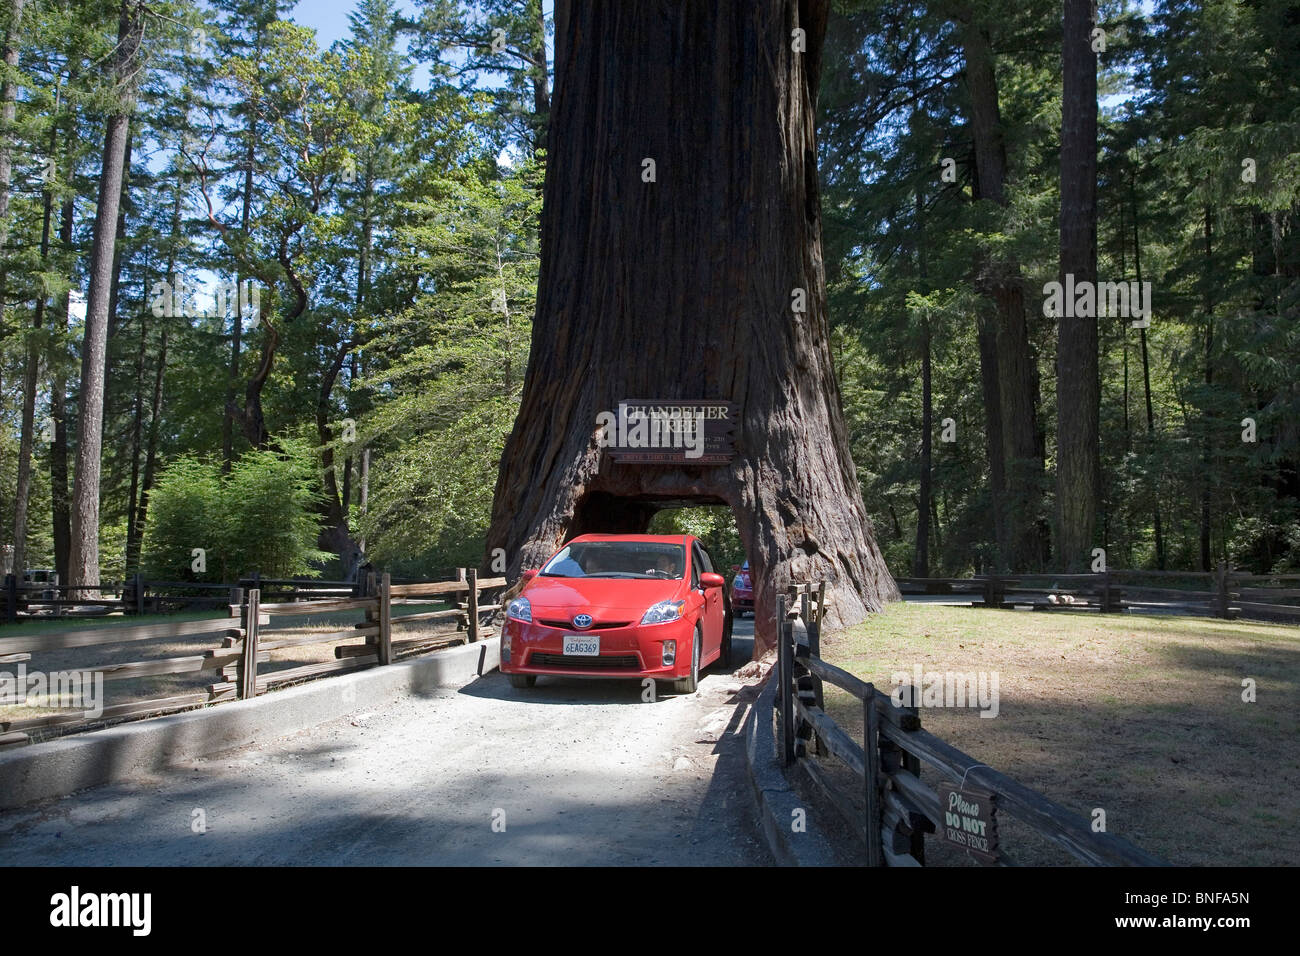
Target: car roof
{"points": [[650, 538]]}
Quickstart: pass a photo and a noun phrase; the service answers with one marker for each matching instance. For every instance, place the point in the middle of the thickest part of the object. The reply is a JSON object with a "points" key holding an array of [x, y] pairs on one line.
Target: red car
{"points": [[619, 605], [742, 590]]}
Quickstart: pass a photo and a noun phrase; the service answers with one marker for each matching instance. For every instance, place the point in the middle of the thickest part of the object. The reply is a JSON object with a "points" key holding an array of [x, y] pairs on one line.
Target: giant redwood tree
{"points": [[681, 259], [1078, 384]]}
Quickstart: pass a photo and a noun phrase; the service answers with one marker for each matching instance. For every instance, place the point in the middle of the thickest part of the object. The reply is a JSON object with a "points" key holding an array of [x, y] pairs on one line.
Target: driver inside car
{"points": [[665, 567]]}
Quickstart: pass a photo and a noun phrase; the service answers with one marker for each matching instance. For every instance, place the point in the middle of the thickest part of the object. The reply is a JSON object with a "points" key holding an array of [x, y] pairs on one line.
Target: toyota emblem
{"points": [[582, 621]]}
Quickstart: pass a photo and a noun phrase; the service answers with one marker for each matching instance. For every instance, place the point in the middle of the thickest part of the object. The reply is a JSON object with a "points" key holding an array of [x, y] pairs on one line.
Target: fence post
{"points": [[473, 604], [385, 620], [248, 660], [11, 598], [912, 764], [785, 682], [814, 625], [807, 677], [875, 820], [1221, 588]]}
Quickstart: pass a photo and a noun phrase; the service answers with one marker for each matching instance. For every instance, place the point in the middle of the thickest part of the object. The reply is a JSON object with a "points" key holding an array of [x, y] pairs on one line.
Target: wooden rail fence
{"points": [[138, 595], [1222, 593], [895, 809], [247, 639]]}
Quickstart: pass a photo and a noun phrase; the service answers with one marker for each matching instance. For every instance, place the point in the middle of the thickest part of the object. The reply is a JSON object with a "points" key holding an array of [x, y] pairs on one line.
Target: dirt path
{"points": [[570, 772]]}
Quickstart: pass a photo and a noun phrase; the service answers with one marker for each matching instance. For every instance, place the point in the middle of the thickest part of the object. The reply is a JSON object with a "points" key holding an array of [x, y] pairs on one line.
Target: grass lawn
{"points": [[1139, 715], [164, 685]]}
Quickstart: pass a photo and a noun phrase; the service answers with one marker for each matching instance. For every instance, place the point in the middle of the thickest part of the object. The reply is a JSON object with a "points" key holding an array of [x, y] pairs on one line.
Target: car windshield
{"points": [[618, 559]]}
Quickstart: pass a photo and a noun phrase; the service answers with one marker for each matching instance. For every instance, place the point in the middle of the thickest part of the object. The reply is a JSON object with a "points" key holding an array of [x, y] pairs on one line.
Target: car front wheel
{"points": [[688, 685]]}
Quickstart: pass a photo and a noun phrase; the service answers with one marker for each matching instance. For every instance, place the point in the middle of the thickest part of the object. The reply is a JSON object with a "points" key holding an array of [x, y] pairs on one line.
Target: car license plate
{"points": [[581, 645]]}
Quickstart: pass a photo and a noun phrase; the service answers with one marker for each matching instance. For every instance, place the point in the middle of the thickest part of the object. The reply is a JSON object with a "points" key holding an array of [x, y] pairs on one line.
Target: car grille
{"points": [[595, 625], [606, 662]]}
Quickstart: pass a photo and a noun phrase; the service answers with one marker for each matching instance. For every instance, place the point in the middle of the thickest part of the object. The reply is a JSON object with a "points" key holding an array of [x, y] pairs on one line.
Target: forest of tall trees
{"points": [[1059, 239]]}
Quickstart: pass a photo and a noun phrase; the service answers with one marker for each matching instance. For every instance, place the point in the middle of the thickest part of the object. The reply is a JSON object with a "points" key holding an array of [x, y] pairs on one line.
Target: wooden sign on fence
{"points": [[970, 820]]}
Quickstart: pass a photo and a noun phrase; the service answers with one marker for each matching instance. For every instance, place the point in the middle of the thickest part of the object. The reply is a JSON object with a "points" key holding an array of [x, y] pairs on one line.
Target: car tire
{"points": [[523, 680], [688, 685]]}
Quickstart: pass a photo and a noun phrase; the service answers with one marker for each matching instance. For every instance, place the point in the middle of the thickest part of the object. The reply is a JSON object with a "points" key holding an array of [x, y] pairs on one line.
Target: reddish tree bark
{"points": [[1078, 388], [682, 288], [1021, 540], [83, 560]]}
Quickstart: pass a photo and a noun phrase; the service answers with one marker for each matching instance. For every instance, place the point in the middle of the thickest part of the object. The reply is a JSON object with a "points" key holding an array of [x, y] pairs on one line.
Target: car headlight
{"points": [[663, 612], [520, 609]]}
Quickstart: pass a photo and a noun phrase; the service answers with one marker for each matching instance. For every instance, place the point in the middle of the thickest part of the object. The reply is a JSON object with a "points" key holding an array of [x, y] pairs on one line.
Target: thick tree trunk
{"points": [[921, 563], [60, 495], [921, 558], [688, 294], [1078, 390], [31, 376], [987, 338], [61, 498], [83, 563], [1207, 458], [8, 100], [8, 109], [1024, 545], [119, 238], [1146, 383]]}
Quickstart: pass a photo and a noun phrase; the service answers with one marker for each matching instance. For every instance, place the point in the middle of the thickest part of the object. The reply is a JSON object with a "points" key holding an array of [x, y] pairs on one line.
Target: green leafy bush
{"points": [[261, 517]]}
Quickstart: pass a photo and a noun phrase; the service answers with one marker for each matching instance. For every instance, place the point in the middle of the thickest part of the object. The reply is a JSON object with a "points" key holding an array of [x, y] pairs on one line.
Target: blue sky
{"points": [[329, 18]]}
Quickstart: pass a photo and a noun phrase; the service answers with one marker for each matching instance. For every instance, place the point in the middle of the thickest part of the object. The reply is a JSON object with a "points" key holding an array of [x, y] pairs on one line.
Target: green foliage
{"points": [[258, 518], [715, 525], [1204, 86], [450, 369], [186, 512]]}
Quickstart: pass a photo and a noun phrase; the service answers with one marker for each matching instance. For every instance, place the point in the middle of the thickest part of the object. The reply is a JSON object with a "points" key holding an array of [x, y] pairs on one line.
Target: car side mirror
{"points": [[709, 579], [530, 574]]}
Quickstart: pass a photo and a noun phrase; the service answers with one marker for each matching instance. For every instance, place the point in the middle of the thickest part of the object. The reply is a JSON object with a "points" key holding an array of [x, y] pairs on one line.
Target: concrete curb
{"points": [[775, 798], [59, 767]]}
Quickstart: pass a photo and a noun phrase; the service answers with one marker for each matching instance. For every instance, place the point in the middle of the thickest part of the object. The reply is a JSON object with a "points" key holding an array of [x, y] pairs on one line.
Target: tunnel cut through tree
{"points": [[681, 259]]}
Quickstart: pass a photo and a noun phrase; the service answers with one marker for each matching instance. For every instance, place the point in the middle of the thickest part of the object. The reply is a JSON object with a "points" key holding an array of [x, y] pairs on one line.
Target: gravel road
{"points": [[573, 772]]}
